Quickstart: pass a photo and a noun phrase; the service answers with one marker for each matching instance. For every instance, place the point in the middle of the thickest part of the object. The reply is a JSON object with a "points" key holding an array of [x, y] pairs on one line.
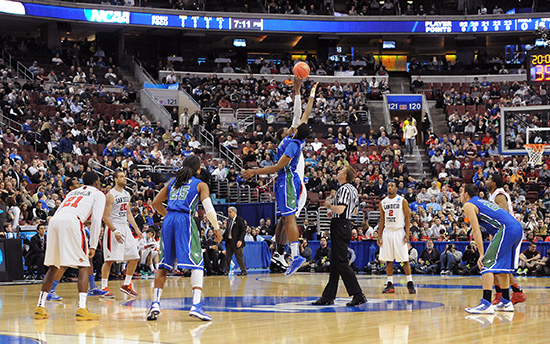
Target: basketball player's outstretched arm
{"points": [[297, 113], [109, 200], [470, 211], [162, 196], [309, 106], [407, 216], [381, 225], [283, 161], [210, 212]]}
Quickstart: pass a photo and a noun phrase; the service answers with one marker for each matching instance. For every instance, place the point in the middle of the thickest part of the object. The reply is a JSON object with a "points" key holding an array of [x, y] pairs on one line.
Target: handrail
{"points": [[5, 119], [243, 124], [188, 96], [426, 108], [207, 137], [136, 67], [147, 100], [6, 57], [386, 113], [24, 71], [111, 170]]}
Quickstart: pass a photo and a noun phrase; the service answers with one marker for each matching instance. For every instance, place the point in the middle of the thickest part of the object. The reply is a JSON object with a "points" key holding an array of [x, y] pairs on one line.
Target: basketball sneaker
{"points": [[197, 311], [83, 314], [53, 297], [41, 313], [129, 290], [280, 260], [484, 307], [295, 264], [153, 312], [518, 297], [496, 300], [410, 287], [390, 289], [504, 306], [96, 292], [108, 294]]}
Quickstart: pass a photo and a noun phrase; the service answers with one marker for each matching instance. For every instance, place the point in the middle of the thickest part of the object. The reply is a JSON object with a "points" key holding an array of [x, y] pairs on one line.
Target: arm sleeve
{"points": [[97, 215], [297, 111]]}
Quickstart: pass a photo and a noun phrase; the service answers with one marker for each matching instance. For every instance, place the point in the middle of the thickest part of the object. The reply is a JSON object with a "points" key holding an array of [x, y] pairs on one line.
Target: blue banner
{"points": [[334, 25], [405, 102]]}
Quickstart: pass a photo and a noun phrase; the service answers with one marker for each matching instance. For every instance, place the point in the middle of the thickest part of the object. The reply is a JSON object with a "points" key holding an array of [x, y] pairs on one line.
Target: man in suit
{"points": [[234, 240], [38, 249]]}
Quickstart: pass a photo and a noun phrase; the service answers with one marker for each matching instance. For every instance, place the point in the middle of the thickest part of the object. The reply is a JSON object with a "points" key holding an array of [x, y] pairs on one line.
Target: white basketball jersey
{"points": [[500, 191], [394, 218], [119, 210], [81, 202]]}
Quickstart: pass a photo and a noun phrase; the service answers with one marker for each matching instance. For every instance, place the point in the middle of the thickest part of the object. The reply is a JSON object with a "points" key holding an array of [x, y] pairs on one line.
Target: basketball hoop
{"points": [[535, 151]]}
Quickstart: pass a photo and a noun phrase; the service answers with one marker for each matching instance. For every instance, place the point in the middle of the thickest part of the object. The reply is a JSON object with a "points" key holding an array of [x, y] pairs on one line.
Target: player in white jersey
{"points": [[500, 197], [149, 250], [393, 236], [67, 242], [119, 243], [72, 184]]}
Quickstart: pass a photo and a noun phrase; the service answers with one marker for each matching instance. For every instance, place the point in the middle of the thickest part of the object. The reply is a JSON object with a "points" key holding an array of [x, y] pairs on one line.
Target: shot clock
{"points": [[538, 66]]}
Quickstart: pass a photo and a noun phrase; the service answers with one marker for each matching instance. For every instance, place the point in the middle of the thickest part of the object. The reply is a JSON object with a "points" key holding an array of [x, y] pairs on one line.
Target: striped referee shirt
{"points": [[346, 195]]}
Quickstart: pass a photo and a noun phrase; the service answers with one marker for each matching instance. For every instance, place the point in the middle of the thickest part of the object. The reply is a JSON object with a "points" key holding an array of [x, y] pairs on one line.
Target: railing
{"points": [[426, 108], [231, 157], [159, 112], [189, 97], [10, 124], [6, 57], [245, 123], [207, 138], [386, 113], [136, 68]]}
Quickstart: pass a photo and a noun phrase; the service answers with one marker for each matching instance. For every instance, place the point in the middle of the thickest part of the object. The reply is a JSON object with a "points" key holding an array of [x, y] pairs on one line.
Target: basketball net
{"points": [[535, 151]]}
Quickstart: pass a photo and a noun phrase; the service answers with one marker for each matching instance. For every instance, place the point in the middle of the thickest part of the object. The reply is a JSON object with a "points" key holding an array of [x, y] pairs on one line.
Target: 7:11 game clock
{"points": [[538, 66]]}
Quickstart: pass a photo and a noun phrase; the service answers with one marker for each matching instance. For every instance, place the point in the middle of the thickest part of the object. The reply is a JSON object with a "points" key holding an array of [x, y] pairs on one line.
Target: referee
{"points": [[344, 207]]}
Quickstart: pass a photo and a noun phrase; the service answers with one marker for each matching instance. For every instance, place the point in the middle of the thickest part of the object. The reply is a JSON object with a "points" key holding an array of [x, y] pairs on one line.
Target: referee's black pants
{"points": [[340, 235]]}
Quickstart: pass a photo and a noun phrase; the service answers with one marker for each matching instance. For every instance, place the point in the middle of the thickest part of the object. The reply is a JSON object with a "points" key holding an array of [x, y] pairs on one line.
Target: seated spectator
{"points": [[543, 265], [321, 260], [37, 250], [450, 259], [528, 260], [305, 250], [470, 257], [429, 259]]}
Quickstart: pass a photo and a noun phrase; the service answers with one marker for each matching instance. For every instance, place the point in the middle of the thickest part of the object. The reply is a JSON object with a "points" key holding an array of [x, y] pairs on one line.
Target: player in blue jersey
{"points": [[180, 235], [288, 185], [501, 255]]}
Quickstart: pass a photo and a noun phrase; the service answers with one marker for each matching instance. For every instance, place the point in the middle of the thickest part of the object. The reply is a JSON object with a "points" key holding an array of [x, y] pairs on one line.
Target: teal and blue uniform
{"points": [[180, 234], [501, 256], [288, 185]]}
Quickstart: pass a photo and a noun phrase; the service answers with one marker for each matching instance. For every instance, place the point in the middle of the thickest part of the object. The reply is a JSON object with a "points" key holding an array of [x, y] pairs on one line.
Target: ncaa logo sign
{"points": [[103, 16]]}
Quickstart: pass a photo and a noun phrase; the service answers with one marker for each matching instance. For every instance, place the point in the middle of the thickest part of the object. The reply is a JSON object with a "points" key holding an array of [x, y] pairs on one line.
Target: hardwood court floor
{"points": [[272, 308]]}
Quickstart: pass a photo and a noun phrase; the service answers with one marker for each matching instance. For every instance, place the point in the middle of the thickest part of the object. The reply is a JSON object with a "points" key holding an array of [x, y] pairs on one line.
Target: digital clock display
{"points": [[538, 66]]}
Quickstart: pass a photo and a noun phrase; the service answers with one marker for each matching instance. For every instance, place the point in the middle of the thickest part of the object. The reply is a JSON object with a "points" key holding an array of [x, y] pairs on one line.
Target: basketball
{"points": [[301, 70]]}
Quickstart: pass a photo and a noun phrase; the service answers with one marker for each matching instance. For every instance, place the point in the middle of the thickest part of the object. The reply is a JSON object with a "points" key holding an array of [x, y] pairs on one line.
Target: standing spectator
{"points": [[410, 133], [195, 121], [234, 241], [66, 147]]}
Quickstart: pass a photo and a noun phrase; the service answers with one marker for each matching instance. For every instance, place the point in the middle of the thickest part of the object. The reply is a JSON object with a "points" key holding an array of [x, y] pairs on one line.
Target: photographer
{"points": [[307, 253], [449, 259], [428, 261], [470, 257]]}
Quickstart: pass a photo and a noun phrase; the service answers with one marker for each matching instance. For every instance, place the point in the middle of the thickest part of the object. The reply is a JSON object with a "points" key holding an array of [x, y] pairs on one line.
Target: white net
{"points": [[535, 152]]}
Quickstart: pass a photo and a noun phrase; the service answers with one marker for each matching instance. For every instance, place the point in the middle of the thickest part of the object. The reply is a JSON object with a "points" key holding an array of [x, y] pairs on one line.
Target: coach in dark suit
{"points": [[234, 240], [37, 250]]}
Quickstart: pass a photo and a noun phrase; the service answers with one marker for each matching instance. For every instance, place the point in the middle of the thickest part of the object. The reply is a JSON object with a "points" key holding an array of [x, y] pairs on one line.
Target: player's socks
{"points": [[487, 294], [151, 267], [390, 279], [498, 289], [294, 249], [197, 296], [42, 298], [157, 292], [127, 279], [409, 278], [91, 279], [104, 283], [54, 285], [156, 266], [506, 294], [515, 288], [82, 300]]}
